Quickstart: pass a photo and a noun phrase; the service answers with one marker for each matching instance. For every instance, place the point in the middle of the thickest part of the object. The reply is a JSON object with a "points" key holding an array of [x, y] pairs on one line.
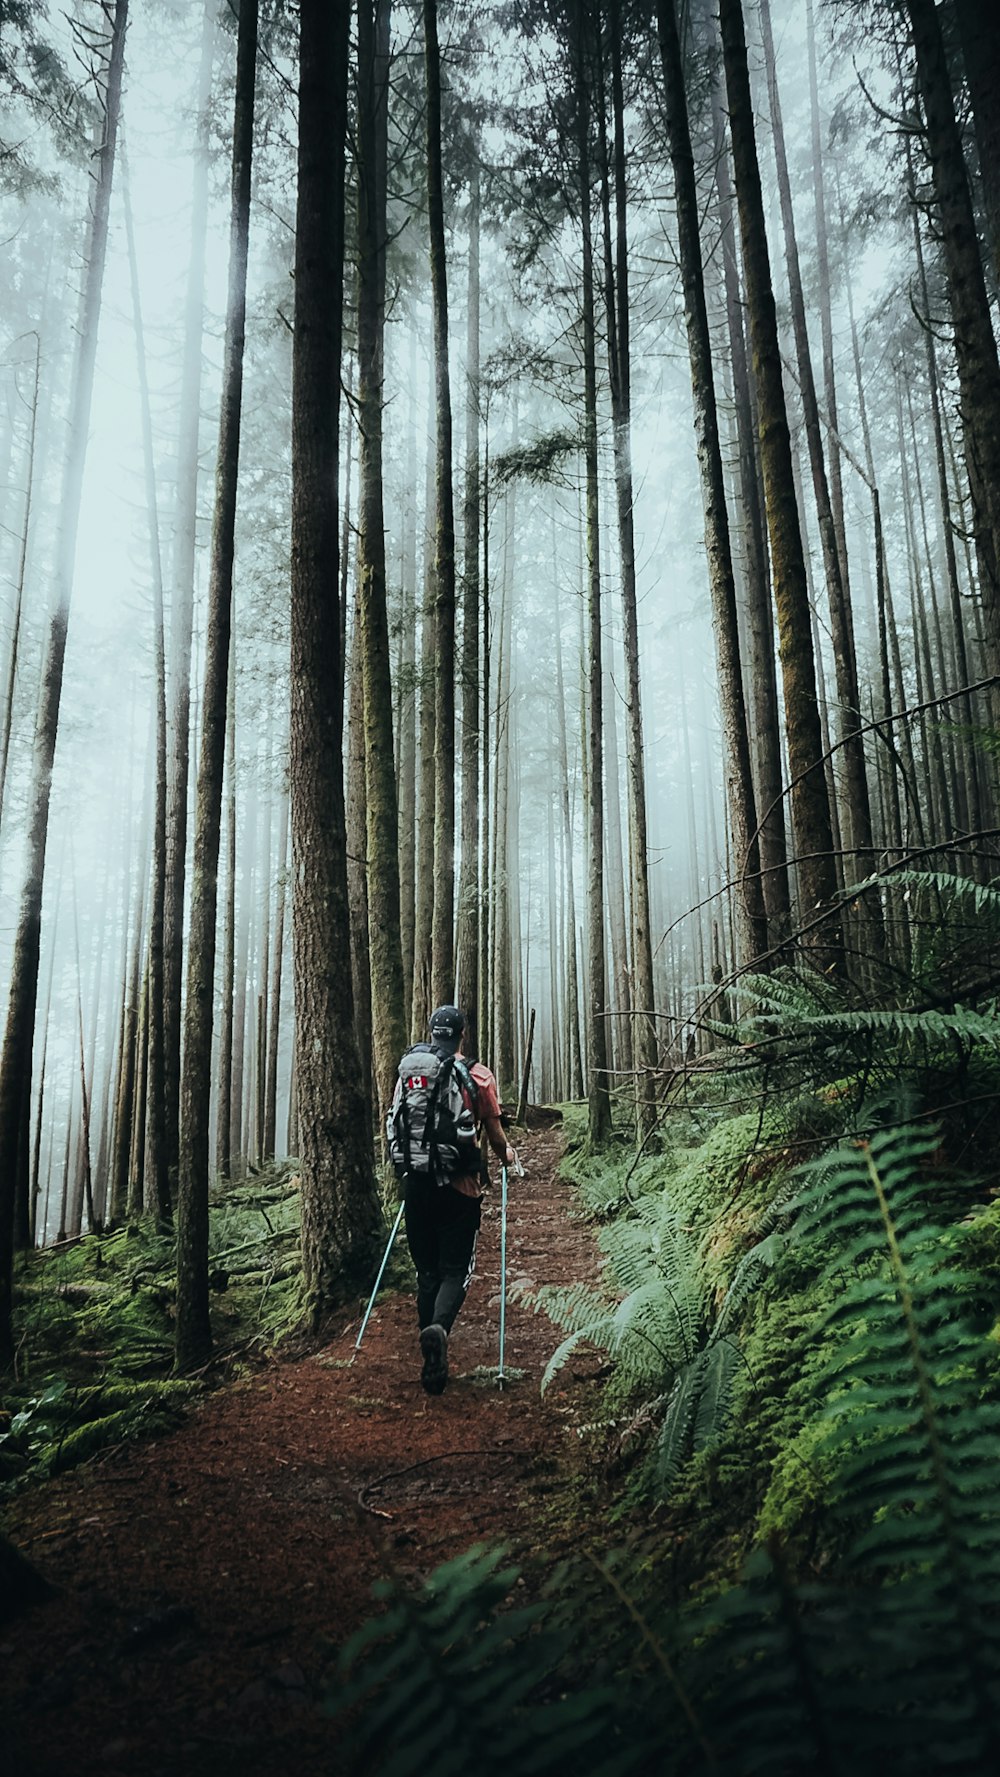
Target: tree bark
{"points": [[407, 695], [762, 713], [856, 816], [751, 921], [443, 937], [341, 1222], [421, 1005], [975, 342], [194, 1333], [185, 537], [643, 1024], [224, 1096], [469, 890], [357, 856], [810, 805], [156, 1133], [598, 1097], [274, 1035], [384, 939], [8, 704], [980, 40]]}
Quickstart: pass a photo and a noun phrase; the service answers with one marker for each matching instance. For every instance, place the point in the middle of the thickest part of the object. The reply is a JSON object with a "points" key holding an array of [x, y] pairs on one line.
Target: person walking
{"points": [[442, 1101]]}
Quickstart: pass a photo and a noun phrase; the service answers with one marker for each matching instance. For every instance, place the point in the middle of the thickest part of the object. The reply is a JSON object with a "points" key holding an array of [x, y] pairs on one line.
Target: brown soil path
{"points": [[207, 1578]]}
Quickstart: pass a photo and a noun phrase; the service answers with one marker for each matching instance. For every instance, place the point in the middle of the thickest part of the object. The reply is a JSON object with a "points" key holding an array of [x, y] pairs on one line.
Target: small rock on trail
{"points": [[253, 1534]]}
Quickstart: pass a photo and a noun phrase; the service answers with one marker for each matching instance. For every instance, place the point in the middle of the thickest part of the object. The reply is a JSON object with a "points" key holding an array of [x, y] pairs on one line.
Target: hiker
{"points": [[440, 1102]]}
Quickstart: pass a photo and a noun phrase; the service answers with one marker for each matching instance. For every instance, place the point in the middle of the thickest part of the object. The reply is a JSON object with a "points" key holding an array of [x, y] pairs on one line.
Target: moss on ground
{"points": [[767, 1474], [95, 1325]]}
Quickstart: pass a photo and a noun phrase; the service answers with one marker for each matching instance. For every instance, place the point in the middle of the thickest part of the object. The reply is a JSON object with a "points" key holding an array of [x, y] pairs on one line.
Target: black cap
{"points": [[447, 1025]]}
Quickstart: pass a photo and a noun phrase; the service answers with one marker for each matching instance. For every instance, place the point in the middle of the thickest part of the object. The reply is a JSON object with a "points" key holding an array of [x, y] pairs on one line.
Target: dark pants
{"points": [[441, 1229]]}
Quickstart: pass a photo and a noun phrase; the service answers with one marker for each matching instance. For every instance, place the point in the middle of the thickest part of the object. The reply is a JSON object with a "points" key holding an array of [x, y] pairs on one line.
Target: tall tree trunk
{"points": [[469, 890], [185, 538], [156, 1135], [357, 853], [407, 694], [965, 709], [224, 1096], [825, 310], [247, 848], [385, 947], [810, 805], [194, 1333], [421, 1007], [443, 940], [274, 1035], [643, 1026], [341, 1222], [980, 39], [975, 342], [15, 635], [752, 921], [137, 1155], [614, 863], [598, 1098], [574, 1058], [15, 1064], [858, 834], [763, 701]]}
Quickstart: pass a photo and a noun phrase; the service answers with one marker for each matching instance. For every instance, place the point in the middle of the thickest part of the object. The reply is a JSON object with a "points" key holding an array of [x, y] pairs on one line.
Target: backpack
{"points": [[431, 1127]]}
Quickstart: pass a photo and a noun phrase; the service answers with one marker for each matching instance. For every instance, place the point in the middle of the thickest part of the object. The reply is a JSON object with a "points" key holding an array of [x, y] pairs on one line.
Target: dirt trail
{"points": [[208, 1578]]}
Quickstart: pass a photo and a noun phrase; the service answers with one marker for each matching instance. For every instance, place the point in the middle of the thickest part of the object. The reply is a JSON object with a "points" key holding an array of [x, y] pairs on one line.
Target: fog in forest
{"points": [[511, 176]]}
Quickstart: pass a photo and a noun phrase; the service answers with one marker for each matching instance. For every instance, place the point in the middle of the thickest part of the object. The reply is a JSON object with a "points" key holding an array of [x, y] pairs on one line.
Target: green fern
{"points": [[658, 1334], [454, 1677]]}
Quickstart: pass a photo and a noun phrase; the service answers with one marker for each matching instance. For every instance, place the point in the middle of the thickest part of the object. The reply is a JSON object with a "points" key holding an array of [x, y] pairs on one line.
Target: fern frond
{"points": [[981, 898], [452, 1678]]}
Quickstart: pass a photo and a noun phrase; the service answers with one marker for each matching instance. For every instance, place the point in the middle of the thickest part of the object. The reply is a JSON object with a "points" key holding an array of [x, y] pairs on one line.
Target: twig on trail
{"points": [[224, 1354], [425, 1461]]}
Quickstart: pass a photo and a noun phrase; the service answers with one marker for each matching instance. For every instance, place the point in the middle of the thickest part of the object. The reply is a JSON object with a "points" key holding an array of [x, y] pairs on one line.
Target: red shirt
{"points": [[487, 1109]]}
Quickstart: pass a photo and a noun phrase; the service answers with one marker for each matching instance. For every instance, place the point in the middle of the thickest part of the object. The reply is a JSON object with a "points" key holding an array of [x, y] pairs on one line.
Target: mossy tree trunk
{"points": [[341, 1221], [193, 1332]]}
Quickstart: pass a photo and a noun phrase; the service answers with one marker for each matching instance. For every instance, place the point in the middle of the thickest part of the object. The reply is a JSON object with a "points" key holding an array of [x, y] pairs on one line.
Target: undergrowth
{"points": [[95, 1325], [799, 1301]]}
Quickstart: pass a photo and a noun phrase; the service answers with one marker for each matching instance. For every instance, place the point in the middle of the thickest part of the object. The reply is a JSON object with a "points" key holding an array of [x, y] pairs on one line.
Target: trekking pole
{"points": [[519, 1169], [503, 1268], [378, 1280]]}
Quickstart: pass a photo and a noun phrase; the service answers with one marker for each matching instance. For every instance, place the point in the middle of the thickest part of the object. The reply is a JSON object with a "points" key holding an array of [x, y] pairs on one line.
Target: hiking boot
{"points": [[434, 1345]]}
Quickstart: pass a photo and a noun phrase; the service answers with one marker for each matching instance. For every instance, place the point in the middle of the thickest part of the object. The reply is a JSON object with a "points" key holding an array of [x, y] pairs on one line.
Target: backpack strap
{"points": [[447, 1063], [467, 1083]]}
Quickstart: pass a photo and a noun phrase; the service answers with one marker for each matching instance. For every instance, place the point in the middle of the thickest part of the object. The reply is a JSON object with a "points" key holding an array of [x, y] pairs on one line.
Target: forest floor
{"points": [[207, 1579]]}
